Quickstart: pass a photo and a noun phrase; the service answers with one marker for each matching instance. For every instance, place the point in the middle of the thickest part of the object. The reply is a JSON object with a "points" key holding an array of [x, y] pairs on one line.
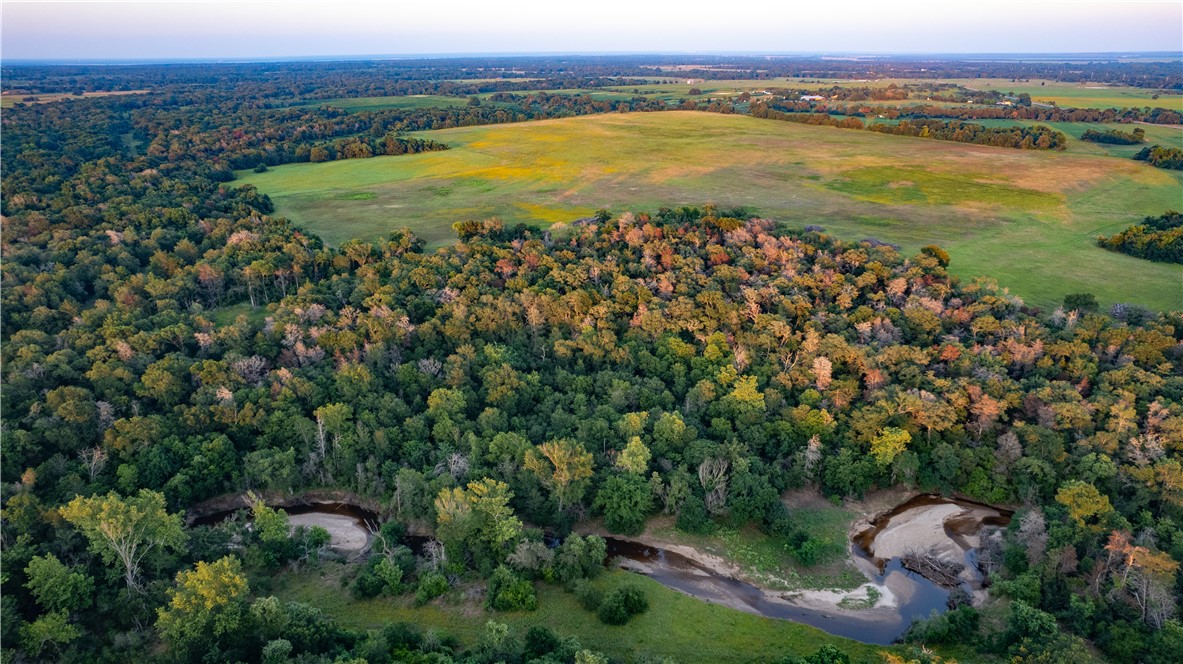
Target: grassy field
{"points": [[766, 560], [9, 100], [1078, 95], [676, 625], [1026, 218], [680, 89]]}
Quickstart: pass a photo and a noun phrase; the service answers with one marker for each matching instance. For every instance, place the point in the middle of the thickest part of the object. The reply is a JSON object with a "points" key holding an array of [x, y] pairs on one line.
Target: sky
{"points": [[262, 29]]}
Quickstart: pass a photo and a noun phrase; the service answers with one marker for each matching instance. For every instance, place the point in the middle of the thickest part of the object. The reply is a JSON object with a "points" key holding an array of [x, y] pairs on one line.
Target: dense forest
{"points": [[1156, 239], [167, 340]]}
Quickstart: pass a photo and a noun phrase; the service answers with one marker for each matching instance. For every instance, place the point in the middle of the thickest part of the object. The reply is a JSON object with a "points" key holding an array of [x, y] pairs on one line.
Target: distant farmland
{"points": [[1025, 218]]}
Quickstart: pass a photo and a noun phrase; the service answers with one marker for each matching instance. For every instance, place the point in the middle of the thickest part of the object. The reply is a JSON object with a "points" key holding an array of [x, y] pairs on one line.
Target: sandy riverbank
{"points": [[347, 535], [932, 523]]}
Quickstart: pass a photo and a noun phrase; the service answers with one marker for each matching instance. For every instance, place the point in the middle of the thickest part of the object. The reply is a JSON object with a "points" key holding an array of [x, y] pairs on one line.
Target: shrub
{"points": [[612, 611], [507, 592], [634, 600], [588, 595], [1081, 302], [693, 517], [431, 585], [936, 252], [368, 583], [402, 635], [804, 549], [580, 557], [622, 604], [540, 642]]}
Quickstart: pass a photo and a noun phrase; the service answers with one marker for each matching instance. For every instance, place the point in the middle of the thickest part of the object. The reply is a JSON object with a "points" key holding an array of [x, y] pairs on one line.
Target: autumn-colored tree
{"points": [[206, 600], [561, 465], [634, 458], [1085, 504], [889, 444]]}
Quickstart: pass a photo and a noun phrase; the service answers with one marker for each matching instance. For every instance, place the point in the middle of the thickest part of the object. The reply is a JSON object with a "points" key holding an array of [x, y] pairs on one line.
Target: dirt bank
{"points": [[235, 501]]}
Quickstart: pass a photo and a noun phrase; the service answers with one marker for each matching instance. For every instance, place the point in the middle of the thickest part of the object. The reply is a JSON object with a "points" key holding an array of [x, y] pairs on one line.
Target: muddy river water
{"points": [[878, 612]]}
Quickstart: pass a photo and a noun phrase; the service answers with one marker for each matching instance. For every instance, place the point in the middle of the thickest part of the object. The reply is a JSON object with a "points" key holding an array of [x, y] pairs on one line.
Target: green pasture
{"points": [[680, 89], [1026, 218], [1077, 95], [676, 625]]}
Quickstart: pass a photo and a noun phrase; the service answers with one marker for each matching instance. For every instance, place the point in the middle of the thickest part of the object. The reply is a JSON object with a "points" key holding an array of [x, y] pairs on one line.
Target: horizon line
{"points": [[344, 57]]}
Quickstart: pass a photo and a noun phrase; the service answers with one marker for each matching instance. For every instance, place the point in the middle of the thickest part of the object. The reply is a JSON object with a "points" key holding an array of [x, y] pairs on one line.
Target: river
{"points": [[948, 526]]}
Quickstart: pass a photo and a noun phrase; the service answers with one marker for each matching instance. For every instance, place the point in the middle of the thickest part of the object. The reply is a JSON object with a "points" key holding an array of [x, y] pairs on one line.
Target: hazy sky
{"points": [[253, 28]]}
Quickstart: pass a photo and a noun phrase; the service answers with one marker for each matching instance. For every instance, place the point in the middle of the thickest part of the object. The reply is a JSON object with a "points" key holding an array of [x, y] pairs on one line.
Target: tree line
{"points": [[1115, 136], [1156, 239], [1021, 137], [1037, 113], [1161, 156]]}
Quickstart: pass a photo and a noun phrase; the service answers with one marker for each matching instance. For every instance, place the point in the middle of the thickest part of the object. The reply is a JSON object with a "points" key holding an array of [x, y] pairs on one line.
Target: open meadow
{"points": [[676, 625], [1027, 218]]}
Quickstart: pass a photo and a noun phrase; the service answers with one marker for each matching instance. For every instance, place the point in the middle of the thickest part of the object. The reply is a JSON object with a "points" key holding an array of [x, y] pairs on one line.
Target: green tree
{"points": [[124, 531], [625, 500], [207, 600], [271, 469], [50, 629], [480, 517], [55, 586]]}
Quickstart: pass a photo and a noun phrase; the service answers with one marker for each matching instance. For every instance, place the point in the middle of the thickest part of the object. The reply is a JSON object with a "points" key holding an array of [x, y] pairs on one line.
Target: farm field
{"points": [[1027, 218], [676, 625], [9, 100], [680, 89]]}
